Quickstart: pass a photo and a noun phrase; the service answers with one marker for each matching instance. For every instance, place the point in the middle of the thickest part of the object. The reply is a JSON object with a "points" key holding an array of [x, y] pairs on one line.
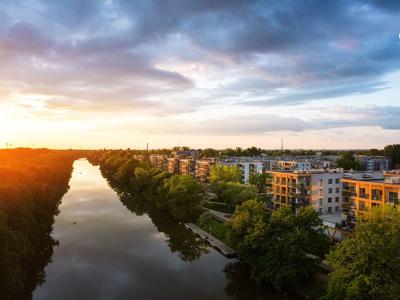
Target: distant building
{"points": [[185, 153], [203, 169], [291, 165], [158, 161], [173, 165], [187, 166], [374, 163]]}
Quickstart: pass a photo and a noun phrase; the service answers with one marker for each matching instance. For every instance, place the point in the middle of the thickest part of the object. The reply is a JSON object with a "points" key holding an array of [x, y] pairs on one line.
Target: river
{"points": [[108, 250]]}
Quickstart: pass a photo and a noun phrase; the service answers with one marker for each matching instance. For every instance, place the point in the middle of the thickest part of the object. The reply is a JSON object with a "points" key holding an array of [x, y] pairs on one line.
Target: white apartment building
{"points": [[326, 191]]}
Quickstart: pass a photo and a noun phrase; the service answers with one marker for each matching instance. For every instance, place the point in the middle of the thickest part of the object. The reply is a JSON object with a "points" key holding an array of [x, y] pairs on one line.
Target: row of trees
{"points": [[179, 195], [32, 183]]}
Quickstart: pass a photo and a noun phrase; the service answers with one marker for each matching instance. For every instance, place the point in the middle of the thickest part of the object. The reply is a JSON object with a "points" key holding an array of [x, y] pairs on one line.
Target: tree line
{"points": [[178, 195], [32, 183]]}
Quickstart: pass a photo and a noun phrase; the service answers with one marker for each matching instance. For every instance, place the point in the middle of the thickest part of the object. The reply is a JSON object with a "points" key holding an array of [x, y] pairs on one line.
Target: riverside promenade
{"points": [[217, 244]]}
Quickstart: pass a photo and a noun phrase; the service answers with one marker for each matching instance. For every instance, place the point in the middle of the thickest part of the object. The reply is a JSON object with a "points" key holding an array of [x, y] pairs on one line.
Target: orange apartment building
{"points": [[203, 169], [158, 161], [360, 195], [289, 188], [187, 166], [173, 165]]}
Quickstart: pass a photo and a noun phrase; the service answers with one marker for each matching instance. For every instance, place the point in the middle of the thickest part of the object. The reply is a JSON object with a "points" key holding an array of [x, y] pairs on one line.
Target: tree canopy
{"points": [[367, 265], [347, 161], [220, 173], [276, 248]]}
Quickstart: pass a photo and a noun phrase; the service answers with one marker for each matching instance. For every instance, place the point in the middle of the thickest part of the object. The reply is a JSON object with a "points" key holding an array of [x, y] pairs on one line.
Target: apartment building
{"points": [[173, 165], [361, 192], [185, 153], [326, 191], [375, 163], [291, 165], [289, 188], [319, 188], [158, 161], [187, 166], [203, 169]]}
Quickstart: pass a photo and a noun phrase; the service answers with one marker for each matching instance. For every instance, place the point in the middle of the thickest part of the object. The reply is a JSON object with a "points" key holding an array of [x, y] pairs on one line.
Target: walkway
{"points": [[220, 246]]}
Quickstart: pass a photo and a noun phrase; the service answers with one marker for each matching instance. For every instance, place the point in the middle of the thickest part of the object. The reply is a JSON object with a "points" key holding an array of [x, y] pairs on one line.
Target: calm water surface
{"points": [[111, 251]]}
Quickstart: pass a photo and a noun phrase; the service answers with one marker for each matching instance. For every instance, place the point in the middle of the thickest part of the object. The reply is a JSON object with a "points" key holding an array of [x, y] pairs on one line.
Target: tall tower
{"points": [[282, 144], [147, 146]]}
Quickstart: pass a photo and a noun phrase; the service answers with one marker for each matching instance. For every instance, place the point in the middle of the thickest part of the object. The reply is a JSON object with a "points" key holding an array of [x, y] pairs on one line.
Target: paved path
{"points": [[222, 247], [224, 217]]}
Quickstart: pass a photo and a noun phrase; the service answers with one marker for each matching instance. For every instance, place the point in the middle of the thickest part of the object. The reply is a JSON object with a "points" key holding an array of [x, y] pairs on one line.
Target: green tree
{"points": [[220, 173], [259, 180], [393, 151], [209, 152], [126, 171], [367, 265], [277, 248], [181, 195], [234, 193], [245, 217], [374, 152], [347, 161]]}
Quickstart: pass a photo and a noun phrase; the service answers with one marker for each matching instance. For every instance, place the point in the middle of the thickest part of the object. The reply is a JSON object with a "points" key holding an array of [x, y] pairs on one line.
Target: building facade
{"points": [[326, 191], [318, 188], [361, 193], [158, 161], [173, 165], [203, 169], [375, 163], [187, 166], [289, 188]]}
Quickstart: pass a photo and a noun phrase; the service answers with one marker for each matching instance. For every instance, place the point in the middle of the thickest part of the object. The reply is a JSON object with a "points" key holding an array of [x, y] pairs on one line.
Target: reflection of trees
{"points": [[239, 285], [188, 246], [35, 265]]}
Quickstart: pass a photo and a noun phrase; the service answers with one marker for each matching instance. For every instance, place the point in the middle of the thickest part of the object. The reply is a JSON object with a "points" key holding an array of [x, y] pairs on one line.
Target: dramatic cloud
{"points": [[172, 58]]}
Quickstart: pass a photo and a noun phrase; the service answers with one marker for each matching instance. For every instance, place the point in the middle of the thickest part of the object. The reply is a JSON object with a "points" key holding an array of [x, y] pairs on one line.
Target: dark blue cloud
{"points": [[316, 49]]}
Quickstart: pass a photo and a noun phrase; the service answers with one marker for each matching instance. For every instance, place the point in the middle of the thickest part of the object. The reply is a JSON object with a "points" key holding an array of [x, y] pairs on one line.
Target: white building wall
{"points": [[326, 194]]}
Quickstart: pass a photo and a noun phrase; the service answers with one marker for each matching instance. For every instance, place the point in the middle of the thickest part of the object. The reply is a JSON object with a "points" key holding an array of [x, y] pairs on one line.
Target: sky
{"points": [[211, 73]]}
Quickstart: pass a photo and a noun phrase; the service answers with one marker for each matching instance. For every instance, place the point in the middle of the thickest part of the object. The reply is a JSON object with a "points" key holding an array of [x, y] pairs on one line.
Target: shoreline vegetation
{"points": [[32, 183]]}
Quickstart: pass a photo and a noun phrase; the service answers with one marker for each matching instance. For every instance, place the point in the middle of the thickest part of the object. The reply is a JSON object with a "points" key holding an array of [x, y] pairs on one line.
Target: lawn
{"points": [[214, 227]]}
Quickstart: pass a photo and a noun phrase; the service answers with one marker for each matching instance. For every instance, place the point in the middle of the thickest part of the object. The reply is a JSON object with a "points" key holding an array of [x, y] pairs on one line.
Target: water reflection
{"points": [[107, 251], [186, 244]]}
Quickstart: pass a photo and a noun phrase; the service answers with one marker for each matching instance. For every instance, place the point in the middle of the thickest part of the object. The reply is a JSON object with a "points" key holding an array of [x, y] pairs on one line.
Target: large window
{"points": [[393, 198]]}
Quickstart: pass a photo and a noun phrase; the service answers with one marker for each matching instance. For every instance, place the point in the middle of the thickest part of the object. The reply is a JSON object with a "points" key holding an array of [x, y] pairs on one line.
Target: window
{"points": [[330, 190], [320, 201], [337, 180], [329, 200], [329, 209], [320, 210], [337, 208], [330, 181], [336, 199], [337, 190]]}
